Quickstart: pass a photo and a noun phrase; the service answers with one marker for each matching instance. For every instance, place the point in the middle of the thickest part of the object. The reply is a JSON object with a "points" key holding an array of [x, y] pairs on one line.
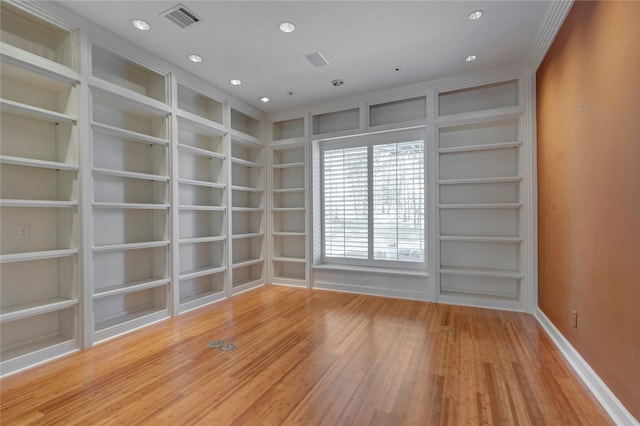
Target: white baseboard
{"points": [[619, 414]]}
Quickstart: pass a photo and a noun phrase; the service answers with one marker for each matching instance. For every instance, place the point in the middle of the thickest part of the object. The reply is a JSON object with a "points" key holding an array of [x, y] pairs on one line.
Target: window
{"points": [[373, 199]]}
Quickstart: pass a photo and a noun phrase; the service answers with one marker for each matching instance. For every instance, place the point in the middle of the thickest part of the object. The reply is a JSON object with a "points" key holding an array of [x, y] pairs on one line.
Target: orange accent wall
{"points": [[588, 112]]}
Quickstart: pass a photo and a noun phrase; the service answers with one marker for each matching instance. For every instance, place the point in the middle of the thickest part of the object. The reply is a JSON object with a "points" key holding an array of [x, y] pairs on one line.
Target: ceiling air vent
{"points": [[317, 59], [181, 16]]}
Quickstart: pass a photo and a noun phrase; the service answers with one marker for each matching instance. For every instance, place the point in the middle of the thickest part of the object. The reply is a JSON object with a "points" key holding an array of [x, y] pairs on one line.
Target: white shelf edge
{"points": [[208, 125], [38, 64], [489, 114], [131, 287], [16, 312], [288, 234], [38, 203], [200, 151], [199, 240], [245, 188], [201, 273], [287, 165], [486, 147], [129, 134], [37, 255], [35, 112], [495, 273], [238, 136], [246, 285], [131, 175], [480, 180], [198, 300], [42, 164], [247, 262], [202, 208], [243, 162], [130, 246], [288, 259], [481, 206], [247, 209], [133, 206], [372, 270], [285, 190], [129, 322], [288, 209], [201, 183], [248, 235], [129, 96]]}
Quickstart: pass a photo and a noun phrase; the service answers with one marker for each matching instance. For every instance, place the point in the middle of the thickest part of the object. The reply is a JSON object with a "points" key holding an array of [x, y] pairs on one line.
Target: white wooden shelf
{"points": [[249, 235], [37, 255], [288, 209], [29, 61], [238, 136], [201, 183], [507, 179], [485, 147], [130, 175], [38, 203], [245, 188], [289, 259], [42, 164], [243, 162], [480, 239], [199, 240], [286, 190], [287, 165], [130, 287], [135, 206], [207, 125], [246, 262], [128, 317], [129, 96], [474, 116], [247, 209], [26, 310], [200, 152], [481, 206], [493, 273], [202, 272], [127, 134], [131, 246], [203, 208], [288, 234], [202, 298], [53, 345], [30, 111]]}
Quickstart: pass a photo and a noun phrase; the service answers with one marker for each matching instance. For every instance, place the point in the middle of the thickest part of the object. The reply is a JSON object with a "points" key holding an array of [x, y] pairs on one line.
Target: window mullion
{"points": [[370, 197]]}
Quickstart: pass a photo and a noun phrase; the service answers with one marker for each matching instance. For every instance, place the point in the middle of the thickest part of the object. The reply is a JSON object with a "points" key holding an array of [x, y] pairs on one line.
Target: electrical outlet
{"points": [[574, 318], [23, 232]]}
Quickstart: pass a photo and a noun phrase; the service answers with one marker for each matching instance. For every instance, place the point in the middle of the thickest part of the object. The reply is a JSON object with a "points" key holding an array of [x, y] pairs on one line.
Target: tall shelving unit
{"points": [[247, 203], [39, 191], [479, 189], [288, 251], [202, 199], [130, 141]]}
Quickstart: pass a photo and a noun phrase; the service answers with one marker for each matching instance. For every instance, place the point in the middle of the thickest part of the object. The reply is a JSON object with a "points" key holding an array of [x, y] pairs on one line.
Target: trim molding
{"points": [[555, 18], [612, 405]]}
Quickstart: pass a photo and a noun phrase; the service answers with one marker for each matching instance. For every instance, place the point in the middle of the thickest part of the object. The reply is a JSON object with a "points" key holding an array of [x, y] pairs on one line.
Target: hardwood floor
{"points": [[312, 357]]}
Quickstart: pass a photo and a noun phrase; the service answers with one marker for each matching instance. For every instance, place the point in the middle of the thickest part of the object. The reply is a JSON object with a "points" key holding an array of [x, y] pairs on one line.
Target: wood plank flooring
{"points": [[307, 357]]}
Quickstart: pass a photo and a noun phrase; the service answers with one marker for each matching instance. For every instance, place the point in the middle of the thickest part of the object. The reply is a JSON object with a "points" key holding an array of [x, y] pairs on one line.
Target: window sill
{"points": [[372, 270]]}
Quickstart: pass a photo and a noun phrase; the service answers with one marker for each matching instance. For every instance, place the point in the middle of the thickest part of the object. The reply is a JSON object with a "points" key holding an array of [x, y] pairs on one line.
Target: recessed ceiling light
{"points": [[287, 27], [194, 57], [141, 25], [235, 82], [337, 83], [471, 58], [264, 99], [476, 14]]}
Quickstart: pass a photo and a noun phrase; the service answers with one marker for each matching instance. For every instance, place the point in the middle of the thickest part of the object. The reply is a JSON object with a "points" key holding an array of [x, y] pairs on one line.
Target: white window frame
{"points": [[369, 140]]}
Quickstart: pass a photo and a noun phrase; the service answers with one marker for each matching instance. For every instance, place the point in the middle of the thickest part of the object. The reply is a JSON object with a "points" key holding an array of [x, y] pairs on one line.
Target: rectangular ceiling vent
{"points": [[181, 16], [317, 59]]}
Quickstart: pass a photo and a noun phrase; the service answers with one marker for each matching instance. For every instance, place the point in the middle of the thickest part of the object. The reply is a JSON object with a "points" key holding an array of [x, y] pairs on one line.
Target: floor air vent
{"points": [[181, 16]]}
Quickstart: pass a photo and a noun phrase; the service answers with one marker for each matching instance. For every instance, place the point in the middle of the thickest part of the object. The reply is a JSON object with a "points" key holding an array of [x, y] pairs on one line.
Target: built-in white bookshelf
{"points": [[336, 121], [131, 194], [479, 195], [39, 194], [202, 200], [398, 111], [247, 205], [289, 259]]}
